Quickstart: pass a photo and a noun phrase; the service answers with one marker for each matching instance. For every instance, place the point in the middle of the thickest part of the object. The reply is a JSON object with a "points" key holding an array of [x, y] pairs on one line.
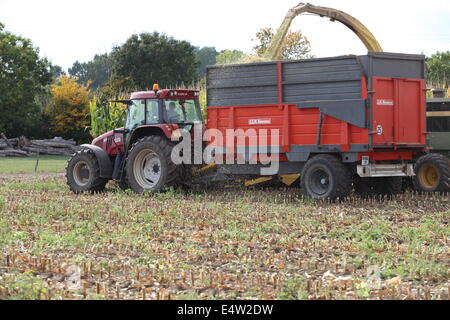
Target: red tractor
{"points": [[139, 155]]}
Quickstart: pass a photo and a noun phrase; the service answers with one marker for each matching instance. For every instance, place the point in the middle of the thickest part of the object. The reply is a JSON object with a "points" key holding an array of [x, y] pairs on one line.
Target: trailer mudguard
{"points": [[103, 160]]}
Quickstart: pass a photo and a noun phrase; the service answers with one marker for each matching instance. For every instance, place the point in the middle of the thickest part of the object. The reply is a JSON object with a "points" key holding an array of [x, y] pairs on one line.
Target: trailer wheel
{"points": [[368, 187], [432, 173], [83, 173], [383, 186], [149, 165], [325, 177], [407, 184], [393, 186]]}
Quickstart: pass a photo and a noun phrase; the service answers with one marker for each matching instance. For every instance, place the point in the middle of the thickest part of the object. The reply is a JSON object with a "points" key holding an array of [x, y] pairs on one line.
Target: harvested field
{"points": [[234, 244]]}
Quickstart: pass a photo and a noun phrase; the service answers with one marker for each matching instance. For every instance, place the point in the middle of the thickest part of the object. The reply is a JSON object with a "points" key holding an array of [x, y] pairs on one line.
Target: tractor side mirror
{"points": [[121, 131], [127, 102]]}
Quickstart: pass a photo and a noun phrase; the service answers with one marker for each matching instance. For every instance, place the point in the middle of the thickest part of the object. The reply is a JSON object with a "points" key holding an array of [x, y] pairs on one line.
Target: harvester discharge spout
{"points": [[273, 52]]}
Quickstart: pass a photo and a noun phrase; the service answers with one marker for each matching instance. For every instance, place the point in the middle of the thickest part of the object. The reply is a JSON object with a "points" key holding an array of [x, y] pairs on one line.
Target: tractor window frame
{"points": [[184, 113], [158, 111], [132, 126]]}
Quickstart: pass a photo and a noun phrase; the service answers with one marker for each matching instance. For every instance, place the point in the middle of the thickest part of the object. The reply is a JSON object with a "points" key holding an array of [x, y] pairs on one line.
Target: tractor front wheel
{"points": [[432, 173], [83, 173], [149, 165]]}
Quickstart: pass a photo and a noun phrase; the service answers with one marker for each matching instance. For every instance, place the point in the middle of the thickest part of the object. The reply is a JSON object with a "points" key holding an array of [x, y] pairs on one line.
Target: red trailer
{"points": [[341, 122]]}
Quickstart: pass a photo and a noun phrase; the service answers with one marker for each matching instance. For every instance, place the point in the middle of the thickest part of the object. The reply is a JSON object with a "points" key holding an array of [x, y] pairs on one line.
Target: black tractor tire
{"points": [[83, 173], [123, 184], [432, 173], [377, 187], [325, 177], [149, 165]]}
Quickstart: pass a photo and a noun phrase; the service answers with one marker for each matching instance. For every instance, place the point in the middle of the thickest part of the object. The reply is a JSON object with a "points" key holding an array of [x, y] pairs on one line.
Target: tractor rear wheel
{"points": [[150, 167], [325, 177], [83, 173], [432, 173], [123, 184]]}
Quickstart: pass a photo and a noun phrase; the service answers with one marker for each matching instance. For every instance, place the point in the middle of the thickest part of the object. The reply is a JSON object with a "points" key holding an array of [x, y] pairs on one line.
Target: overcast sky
{"points": [[66, 31]]}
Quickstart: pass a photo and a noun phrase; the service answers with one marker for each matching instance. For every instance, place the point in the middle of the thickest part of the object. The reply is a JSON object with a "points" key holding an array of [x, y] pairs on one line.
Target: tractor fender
{"points": [[103, 160], [148, 130]]}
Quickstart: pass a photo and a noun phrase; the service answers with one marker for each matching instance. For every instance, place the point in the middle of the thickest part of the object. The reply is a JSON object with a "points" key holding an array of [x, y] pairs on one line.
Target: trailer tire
{"points": [[325, 177], [376, 187], [432, 173], [149, 165], [368, 187], [83, 173], [407, 184], [393, 186]]}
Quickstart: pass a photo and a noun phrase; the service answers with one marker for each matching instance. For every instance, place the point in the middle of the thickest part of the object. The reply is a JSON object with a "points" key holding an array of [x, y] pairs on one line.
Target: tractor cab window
{"points": [[181, 111], [136, 114], [152, 111]]}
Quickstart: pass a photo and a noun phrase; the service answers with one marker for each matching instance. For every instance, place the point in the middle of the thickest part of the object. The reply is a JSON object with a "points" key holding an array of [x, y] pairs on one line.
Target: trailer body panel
{"points": [[398, 112], [353, 105]]}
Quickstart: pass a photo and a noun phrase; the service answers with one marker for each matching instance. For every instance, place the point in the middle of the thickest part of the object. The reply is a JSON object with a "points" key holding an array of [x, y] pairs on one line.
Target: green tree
{"points": [[207, 57], [230, 57], [150, 58], [23, 77], [438, 69], [295, 44], [57, 72], [98, 71]]}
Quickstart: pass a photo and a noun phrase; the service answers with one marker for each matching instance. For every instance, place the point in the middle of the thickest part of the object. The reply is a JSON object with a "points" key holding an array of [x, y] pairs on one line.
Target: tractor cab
{"points": [[166, 109], [163, 107], [159, 111]]}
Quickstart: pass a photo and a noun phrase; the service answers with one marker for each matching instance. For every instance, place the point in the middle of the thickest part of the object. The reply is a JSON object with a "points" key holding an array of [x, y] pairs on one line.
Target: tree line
{"points": [[41, 100]]}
